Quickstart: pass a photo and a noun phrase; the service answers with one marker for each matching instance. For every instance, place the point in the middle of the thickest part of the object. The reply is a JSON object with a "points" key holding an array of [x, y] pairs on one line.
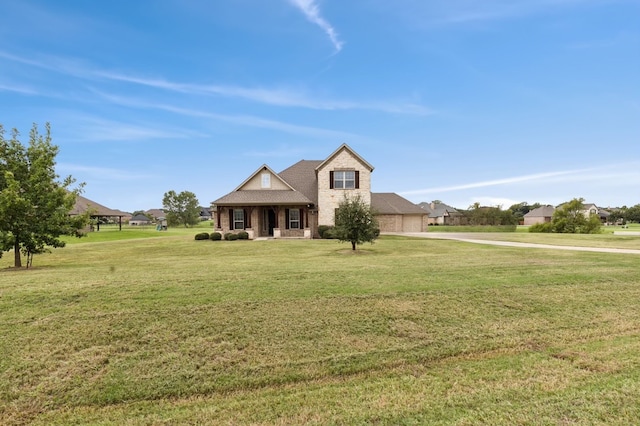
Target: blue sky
{"points": [[463, 101]]}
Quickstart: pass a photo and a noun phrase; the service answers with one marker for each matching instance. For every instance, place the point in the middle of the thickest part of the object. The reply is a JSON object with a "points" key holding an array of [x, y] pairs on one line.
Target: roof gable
{"points": [[345, 147], [246, 185]]}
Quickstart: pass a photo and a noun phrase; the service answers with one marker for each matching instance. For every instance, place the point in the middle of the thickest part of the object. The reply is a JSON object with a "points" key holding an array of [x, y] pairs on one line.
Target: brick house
{"points": [[294, 202]]}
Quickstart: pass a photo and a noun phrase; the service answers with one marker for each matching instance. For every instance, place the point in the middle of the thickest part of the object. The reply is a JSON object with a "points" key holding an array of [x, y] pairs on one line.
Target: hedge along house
{"points": [[294, 202]]}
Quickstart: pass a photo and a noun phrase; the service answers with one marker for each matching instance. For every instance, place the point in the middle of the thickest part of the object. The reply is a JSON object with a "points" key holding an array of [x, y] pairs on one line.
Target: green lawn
{"points": [[168, 330]]}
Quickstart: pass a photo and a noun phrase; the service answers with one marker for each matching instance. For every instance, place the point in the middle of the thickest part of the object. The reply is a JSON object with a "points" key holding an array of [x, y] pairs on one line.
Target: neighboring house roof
{"points": [[140, 218], [392, 203], [342, 147], [84, 204], [261, 197], [439, 209], [302, 177], [542, 211], [156, 213]]}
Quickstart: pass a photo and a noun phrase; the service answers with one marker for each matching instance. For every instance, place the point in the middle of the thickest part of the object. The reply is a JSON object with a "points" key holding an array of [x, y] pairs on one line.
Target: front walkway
{"points": [[470, 237]]}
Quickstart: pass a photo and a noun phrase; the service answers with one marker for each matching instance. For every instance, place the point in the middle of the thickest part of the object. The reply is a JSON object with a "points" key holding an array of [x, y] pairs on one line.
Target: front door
{"points": [[269, 221]]}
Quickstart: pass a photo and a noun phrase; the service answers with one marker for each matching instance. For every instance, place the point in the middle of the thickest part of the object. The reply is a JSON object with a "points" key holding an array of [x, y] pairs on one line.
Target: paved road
{"points": [[476, 238]]}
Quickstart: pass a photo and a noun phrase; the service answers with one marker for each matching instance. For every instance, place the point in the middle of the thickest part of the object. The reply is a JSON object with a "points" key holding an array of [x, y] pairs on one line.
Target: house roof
{"points": [[342, 147], [140, 218], [83, 205], [155, 213], [438, 209], [302, 177], [262, 197], [392, 203], [543, 211]]}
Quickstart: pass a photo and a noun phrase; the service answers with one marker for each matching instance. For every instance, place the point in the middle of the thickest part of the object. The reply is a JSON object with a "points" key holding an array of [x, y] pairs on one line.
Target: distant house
{"points": [[441, 214], [590, 209], [155, 214], [542, 214], [294, 202], [139, 220], [205, 214]]}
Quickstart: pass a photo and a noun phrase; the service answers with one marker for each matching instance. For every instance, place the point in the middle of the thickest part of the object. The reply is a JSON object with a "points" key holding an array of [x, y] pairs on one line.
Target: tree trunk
{"points": [[16, 250], [353, 245]]}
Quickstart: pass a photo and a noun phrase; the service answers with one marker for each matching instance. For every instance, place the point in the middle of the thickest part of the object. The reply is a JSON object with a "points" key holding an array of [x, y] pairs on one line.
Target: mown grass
{"points": [[405, 331]]}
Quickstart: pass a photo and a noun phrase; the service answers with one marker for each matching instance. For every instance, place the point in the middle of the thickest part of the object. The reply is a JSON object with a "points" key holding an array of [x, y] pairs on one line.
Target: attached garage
{"points": [[397, 214]]}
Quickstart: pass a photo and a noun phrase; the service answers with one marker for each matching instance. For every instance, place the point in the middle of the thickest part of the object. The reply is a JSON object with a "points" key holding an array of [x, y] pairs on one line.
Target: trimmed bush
{"points": [[229, 236], [243, 235], [202, 236], [322, 229], [330, 234], [215, 236]]}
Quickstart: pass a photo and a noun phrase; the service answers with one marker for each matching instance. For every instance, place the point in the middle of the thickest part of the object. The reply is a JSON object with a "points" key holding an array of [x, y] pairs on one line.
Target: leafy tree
{"points": [[570, 218], [477, 215], [181, 209], [633, 214], [356, 222], [34, 205]]}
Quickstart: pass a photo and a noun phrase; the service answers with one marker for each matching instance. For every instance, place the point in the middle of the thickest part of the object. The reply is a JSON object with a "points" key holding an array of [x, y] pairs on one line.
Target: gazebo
{"points": [[96, 210]]}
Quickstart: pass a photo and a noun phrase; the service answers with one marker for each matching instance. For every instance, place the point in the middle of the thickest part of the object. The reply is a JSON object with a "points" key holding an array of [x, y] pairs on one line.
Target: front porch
{"points": [[271, 221]]}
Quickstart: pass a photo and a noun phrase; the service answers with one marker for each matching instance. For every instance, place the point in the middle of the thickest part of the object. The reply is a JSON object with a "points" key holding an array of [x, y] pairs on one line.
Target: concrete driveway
{"points": [[476, 238]]}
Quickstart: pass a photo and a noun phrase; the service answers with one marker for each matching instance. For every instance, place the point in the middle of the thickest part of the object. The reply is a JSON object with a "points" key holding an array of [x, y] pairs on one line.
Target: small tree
{"points": [[570, 218], [181, 209], [356, 222], [34, 205]]}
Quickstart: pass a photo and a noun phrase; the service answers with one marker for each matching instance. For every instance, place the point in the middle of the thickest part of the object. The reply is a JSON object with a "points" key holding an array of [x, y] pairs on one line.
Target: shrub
{"points": [[322, 229], [229, 236], [541, 227], [202, 236], [243, 235], [215, 236], [330, 234]]}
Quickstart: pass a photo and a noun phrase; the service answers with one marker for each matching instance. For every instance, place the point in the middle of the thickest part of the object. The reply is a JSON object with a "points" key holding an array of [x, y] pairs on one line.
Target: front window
{"points": [[294, 219], [238, 219], [266, 180], [345, 179]]}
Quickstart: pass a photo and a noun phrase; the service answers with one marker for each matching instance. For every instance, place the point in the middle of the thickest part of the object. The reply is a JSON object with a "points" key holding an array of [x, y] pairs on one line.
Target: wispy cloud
{"points": [[277, 97], [283, 97], [18, 89], [100, 173], [240, 120], [311, 11], [539, 177]]}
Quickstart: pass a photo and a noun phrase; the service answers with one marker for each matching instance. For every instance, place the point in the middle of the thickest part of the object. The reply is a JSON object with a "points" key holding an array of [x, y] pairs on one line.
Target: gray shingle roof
{"points": [[262, 197], [392, 203], [83, 204], [439, 210], [543, 211], [302, 177]]}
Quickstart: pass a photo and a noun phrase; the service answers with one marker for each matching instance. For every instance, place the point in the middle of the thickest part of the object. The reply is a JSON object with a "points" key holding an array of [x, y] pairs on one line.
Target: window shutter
{"points": [[230, 219], [247, 219], [357, 179], [301, 219], [331, 179], [286, 219], [218, 218]]}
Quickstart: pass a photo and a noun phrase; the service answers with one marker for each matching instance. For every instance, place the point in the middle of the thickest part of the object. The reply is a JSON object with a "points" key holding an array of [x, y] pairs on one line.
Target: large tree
{"points": [[34, 203], [182, 208], [356, 222]]}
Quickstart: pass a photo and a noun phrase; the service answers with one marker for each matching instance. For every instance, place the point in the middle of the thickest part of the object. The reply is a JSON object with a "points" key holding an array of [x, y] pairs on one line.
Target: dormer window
{"points": [[344, 179]]}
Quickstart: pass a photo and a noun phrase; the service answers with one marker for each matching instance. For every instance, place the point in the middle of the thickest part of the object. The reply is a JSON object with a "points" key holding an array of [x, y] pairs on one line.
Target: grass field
{"points": [[158, 328]]}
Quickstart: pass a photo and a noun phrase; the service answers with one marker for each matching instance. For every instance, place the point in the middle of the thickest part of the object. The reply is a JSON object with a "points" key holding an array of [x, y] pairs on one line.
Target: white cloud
{"points": [[311, 10], [99, 173]]}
